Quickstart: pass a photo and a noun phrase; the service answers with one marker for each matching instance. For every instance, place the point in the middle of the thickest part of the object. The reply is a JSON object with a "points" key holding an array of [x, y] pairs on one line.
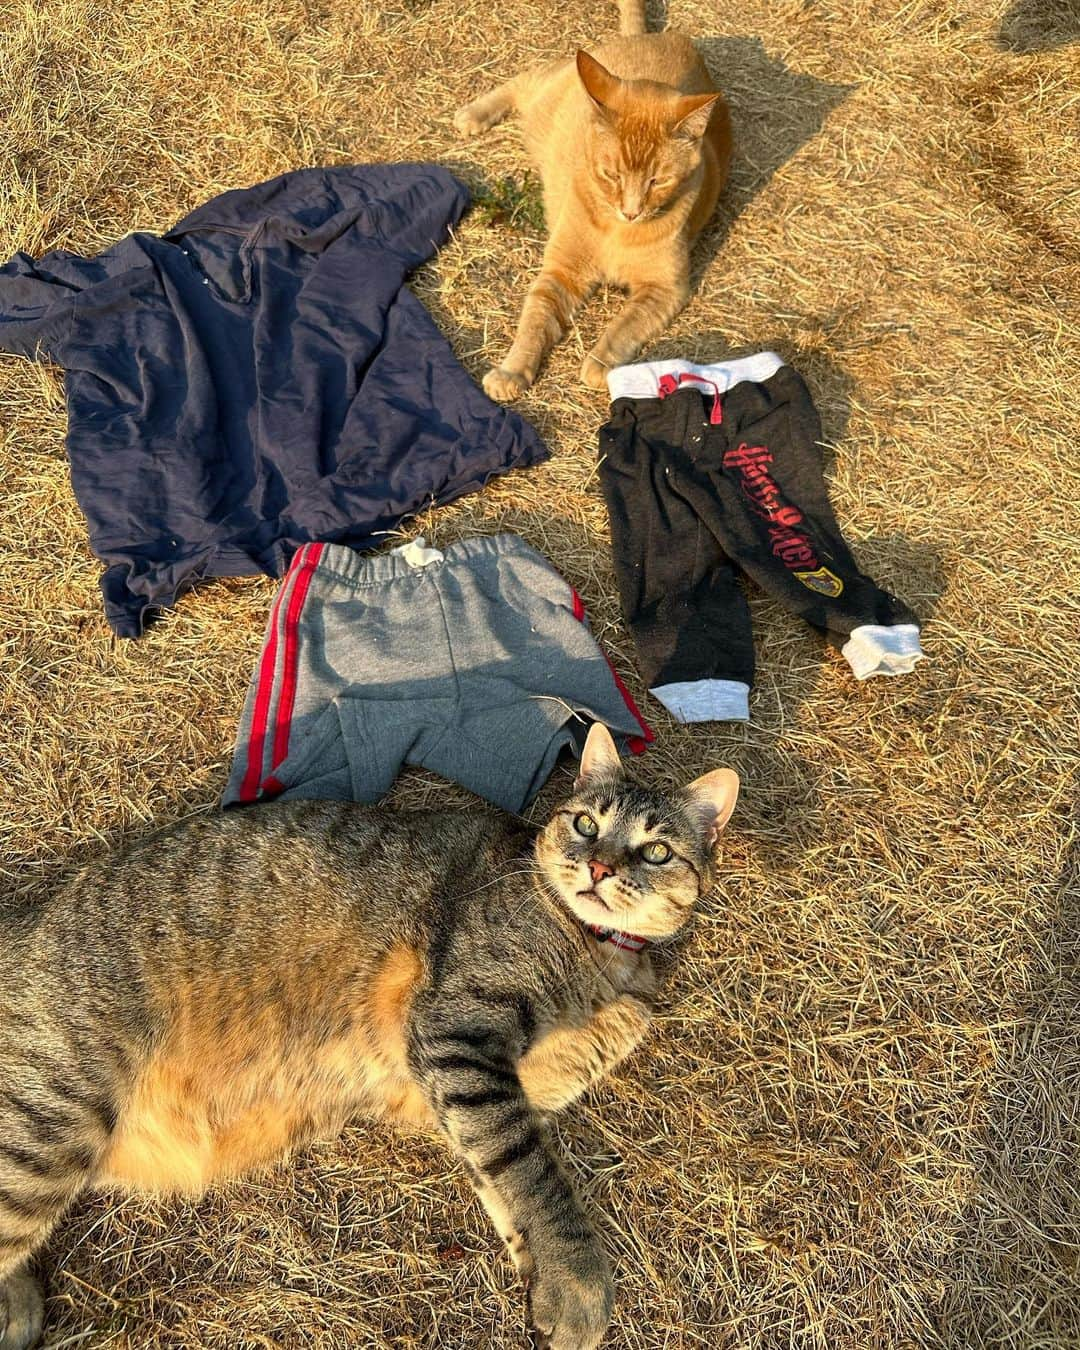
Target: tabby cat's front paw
{"points": [[571, 1303], [21, 1311], [505, 385], [594, 373]]}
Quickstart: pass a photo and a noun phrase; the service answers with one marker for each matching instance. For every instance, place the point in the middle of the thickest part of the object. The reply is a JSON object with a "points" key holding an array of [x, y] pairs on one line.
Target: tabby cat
{"points": [[633, 143], [224, 991]]}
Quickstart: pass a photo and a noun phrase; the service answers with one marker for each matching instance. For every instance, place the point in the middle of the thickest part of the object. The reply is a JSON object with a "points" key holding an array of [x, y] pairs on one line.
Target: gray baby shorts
{"points": [[476, 662]]}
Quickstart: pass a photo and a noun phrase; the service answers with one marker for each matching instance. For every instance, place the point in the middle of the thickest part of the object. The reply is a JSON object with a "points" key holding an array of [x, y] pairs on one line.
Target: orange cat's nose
{"points": [[630, 215], [600, 870]]}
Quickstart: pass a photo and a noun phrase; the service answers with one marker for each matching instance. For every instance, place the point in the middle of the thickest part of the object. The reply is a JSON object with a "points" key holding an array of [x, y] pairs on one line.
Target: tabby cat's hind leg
{"points": [[55, 1123], [32, 1199], [21, 1310]]}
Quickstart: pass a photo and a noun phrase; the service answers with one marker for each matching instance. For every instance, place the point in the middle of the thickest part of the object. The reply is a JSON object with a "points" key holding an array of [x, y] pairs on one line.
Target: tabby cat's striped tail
{"points": [[632, 17]]}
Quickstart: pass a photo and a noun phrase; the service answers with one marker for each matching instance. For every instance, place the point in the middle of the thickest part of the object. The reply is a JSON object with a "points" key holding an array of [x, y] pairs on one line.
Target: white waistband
{"points": [[643, 380]]}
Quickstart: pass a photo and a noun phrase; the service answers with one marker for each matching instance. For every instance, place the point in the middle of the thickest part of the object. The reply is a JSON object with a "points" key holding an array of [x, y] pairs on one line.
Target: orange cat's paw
{"points": [[594, 373], [467, 122], [504, 385]]}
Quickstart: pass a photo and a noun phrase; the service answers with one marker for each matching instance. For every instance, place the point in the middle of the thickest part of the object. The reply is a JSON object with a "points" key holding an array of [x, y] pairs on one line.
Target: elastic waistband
{"points": [[366, 569], [644, 379]]}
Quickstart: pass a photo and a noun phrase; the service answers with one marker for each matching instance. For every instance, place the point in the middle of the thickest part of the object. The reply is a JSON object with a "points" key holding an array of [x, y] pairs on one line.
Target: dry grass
{"points": [[857, 1124]]}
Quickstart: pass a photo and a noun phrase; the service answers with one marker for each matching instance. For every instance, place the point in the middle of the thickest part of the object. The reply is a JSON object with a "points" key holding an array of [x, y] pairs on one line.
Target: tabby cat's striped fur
{"points": [[220, 993]]}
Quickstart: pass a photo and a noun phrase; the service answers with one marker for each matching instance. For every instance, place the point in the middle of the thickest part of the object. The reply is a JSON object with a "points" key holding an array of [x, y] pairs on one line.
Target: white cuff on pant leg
{"points": [[705, 700], [883, 649]]}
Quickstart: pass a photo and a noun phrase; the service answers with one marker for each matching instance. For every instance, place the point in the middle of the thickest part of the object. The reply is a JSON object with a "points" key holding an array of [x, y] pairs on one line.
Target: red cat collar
{"points": [[626, 942]]}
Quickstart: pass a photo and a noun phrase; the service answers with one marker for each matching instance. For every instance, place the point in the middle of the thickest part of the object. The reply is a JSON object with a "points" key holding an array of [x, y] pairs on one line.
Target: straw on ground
{"points": [[856, 1123]]}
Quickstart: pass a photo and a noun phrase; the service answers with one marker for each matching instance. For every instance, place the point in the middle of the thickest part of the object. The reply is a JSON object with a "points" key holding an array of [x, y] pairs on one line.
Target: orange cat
{"points": [[633, 145]]}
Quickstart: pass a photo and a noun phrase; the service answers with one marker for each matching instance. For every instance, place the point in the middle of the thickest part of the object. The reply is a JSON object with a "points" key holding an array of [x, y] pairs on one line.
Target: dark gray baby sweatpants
{"points": [[476, 662]]}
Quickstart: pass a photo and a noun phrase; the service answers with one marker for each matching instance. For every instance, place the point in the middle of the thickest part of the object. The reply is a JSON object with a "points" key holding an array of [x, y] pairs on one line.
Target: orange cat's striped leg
{"points": [[549, 308], [515, 95], [650, 309]]}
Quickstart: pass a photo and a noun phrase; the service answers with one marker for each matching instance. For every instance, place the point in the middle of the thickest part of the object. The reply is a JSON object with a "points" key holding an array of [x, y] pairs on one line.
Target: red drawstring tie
{"points": [[669, 384]]}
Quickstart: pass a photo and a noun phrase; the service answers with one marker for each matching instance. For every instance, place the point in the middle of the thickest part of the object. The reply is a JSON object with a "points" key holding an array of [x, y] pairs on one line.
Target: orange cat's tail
{"points": [[632, 17]]}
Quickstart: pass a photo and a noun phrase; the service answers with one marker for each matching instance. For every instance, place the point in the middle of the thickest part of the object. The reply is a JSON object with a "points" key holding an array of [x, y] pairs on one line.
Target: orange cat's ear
{"points": [[600, 757], [600, 85], [692, 115], [714, 795]]}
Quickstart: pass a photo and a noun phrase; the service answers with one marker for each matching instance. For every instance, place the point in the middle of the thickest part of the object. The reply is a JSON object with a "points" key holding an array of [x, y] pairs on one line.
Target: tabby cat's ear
{"points": [[600, 85], [714, 796], [692, 115], [600, 758]]}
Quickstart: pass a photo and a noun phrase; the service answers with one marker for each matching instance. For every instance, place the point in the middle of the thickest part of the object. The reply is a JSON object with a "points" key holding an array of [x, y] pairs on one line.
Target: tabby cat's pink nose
{"points": [[600, 870]]}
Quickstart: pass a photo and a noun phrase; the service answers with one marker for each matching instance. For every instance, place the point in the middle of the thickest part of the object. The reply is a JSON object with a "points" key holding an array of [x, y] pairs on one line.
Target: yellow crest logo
{"points": [[823, 581]]}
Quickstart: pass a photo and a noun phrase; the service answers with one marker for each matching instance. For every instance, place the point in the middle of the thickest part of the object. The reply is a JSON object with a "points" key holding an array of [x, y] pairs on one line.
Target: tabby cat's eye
{"points": [[656, 852], [584, 824]]}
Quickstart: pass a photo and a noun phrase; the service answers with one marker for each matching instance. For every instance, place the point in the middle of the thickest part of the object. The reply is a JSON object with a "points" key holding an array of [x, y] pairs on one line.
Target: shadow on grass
{"points": [[1017, 1279], [1039, 25], [775, 111]]}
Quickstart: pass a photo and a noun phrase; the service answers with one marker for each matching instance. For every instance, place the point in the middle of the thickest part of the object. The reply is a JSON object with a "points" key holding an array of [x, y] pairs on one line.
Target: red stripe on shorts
{"points": [[308, 558], [264, 688], [635, 744], [264, 691]]}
